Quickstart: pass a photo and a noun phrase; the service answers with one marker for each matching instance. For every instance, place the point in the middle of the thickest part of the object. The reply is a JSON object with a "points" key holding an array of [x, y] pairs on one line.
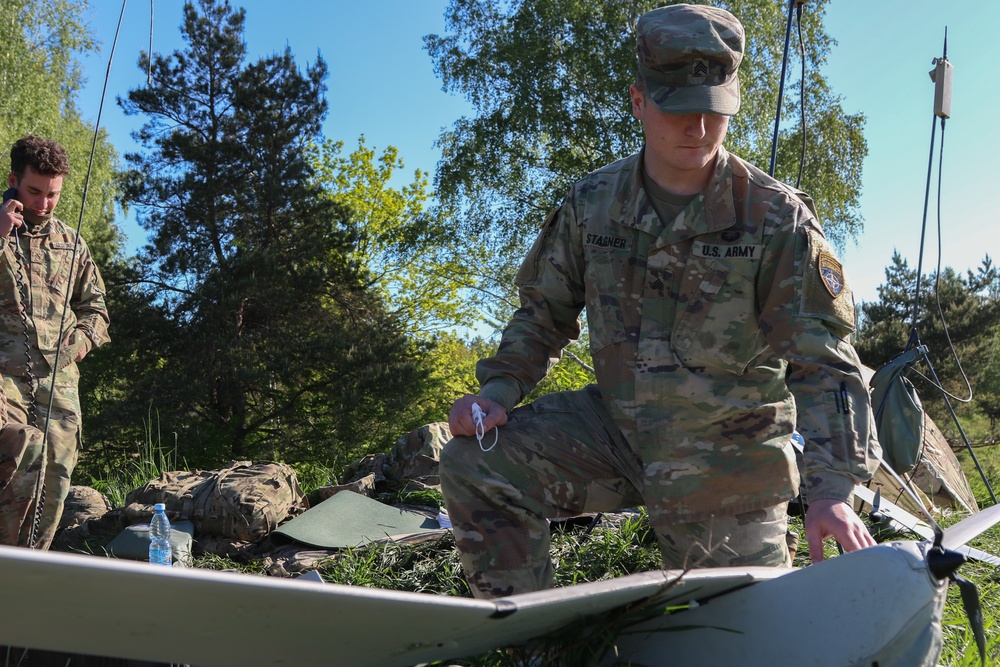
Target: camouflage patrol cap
{"points": [[688, 57]]}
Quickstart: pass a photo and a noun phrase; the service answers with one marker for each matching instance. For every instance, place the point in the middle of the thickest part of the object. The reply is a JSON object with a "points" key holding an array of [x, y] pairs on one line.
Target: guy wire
{"points": [[937, 292], [796, 7], [40, 484]]}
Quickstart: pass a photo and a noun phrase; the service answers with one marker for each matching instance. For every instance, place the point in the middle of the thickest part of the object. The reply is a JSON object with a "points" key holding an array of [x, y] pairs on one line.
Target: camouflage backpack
{"points": [[899, 413], [244, 501]]}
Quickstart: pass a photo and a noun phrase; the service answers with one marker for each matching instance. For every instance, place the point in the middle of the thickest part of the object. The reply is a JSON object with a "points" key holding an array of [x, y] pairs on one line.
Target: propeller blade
{"points": [[971, 527], [970, 600], [903, 518]]}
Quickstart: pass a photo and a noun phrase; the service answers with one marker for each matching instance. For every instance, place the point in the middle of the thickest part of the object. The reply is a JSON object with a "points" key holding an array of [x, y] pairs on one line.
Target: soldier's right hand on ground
{"points": [[460, 419]]}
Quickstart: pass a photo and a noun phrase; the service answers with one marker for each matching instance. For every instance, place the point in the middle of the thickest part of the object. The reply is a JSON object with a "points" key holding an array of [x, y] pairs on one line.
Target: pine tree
{"points": [[272, 344], [955, 317]]}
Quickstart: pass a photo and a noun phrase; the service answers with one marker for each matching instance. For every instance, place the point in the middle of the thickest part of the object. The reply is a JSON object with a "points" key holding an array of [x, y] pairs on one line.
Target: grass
{"points": [[581, 553], [153, 459]]}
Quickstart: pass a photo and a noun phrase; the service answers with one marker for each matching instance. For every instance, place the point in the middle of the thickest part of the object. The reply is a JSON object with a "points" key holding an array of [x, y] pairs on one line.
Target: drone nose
{"points": [[943, 562]]}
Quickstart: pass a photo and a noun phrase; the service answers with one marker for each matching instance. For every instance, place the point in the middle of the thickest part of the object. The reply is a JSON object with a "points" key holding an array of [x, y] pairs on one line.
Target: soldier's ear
{"points": [[638, 100]]}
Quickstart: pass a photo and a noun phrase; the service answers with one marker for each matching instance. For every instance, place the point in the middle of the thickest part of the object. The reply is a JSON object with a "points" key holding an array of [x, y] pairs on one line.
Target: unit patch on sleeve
{"points": [[832, 274], [825, 291]]}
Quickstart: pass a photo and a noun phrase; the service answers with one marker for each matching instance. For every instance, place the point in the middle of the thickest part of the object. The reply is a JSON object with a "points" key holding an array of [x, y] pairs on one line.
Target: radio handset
{"points": [[10, 193]]}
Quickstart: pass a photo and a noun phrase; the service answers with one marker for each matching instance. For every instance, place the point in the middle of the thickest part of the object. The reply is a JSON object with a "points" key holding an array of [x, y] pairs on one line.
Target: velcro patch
{"points": [[609, 241], [834, 301], [831, 273], [721, 251]]}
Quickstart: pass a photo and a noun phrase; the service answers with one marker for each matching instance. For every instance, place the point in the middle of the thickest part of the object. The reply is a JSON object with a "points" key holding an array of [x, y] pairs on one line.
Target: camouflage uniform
{"points": [[713, 336], [20, 466], [28, 350]]}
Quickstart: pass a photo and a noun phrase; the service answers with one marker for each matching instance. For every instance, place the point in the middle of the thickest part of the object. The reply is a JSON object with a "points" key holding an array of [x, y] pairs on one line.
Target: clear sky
{"points": [[382, 85]]}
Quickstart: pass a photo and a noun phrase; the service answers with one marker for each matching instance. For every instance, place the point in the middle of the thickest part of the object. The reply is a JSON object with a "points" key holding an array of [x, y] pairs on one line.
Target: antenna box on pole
{"points": [[941, 76]]}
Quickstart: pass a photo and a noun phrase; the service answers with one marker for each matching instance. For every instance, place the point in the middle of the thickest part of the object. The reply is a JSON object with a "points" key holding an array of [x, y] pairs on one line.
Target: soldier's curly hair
{"points": [[44, 156]]}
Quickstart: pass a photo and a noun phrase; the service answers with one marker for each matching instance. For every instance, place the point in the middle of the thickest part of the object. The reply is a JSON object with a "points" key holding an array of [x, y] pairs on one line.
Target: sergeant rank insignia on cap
{"points": [[832, 274], [699, 70]]}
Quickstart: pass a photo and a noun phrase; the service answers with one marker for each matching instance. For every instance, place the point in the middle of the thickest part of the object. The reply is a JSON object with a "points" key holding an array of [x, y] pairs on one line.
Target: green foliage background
{"points": [[212, 358], [424, 263], [40, 77]]}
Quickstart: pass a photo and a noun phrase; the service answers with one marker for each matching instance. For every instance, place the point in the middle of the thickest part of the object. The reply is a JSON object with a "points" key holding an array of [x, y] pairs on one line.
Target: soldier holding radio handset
{"points": [[41, 340], [10, 214]]}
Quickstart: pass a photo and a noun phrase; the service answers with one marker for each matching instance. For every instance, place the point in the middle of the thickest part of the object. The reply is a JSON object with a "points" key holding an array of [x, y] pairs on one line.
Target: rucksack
{"points": [[243, 500], [899, 413]]}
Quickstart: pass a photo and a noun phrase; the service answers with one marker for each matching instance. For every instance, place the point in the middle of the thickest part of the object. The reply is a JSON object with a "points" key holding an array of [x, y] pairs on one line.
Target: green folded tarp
{"points": [[350, 520]]}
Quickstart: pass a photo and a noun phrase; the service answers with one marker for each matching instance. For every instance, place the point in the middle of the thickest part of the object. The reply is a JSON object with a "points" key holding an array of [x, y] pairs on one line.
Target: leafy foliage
{"points": [[988, 387], [417, 263], [574, 370], [269, 343], [549, 81], [957, 317], [40, 77]]}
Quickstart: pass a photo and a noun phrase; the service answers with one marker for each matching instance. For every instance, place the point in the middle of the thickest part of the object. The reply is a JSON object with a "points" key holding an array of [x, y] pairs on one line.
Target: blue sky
{"points": [[382, 85]]}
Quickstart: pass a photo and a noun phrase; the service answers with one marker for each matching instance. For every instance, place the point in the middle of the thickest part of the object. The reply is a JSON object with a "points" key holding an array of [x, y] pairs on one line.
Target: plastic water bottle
{"points": [[160, 552]]}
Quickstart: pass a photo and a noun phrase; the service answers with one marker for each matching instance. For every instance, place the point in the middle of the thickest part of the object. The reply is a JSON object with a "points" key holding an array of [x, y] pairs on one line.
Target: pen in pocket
{"points": [[844, 399]]}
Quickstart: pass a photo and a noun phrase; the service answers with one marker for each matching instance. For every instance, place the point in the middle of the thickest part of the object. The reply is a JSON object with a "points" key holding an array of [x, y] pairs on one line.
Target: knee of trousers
{"points": [[472, 479], [459, 463]]}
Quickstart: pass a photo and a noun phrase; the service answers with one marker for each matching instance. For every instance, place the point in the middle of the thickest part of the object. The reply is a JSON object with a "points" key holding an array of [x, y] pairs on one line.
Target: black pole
{"points": [[923, 231], [954, 417], [781, 87]]}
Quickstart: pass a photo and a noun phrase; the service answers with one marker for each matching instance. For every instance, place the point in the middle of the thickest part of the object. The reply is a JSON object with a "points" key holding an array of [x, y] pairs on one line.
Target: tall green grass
{"points": [[152, 458]]}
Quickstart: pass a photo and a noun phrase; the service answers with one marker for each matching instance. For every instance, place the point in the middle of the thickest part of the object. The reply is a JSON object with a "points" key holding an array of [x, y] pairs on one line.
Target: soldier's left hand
{"points": [[78, 344], [461, 421], [10, 216], [834, 518]]}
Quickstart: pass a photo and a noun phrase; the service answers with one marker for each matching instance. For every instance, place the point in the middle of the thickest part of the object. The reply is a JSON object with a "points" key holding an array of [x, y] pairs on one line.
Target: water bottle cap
{"points": [[159, 507]]}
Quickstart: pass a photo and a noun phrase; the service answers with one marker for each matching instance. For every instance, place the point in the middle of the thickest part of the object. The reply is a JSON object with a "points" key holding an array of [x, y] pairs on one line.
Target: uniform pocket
{"points": [[58, 266], [717, 329], [608, 299], [844, 442]]}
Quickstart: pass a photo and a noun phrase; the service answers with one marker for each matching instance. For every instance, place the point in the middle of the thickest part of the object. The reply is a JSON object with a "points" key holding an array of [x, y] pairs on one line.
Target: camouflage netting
{"points": [[937, 478]]}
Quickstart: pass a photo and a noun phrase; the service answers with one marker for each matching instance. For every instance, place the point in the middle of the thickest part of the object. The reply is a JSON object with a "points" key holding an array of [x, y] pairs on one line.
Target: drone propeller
{"points": [[971, 527], [882, 525], [970, 600], [944, 560]]}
